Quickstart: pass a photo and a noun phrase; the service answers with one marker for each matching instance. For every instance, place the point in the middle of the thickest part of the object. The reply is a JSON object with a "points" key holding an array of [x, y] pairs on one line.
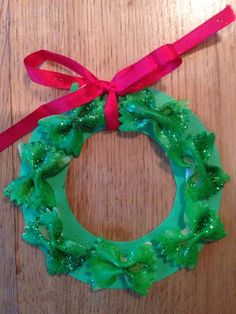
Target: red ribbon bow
{"points": [[133, 78]]}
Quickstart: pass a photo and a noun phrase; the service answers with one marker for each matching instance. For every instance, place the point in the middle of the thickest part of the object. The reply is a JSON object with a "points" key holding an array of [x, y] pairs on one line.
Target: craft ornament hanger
{"points": [[129, 104]]}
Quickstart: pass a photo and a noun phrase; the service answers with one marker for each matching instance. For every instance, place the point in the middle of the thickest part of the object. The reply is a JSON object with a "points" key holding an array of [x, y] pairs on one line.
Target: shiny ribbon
{"points": [[131, 79]]}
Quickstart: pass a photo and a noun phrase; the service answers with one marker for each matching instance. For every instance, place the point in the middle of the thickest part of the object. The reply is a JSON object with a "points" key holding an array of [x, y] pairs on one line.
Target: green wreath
{"points": [[174, 244]]}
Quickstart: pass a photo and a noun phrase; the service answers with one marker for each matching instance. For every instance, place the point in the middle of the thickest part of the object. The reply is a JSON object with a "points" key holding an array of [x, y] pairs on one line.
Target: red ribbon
{"points": [[133, 78]]}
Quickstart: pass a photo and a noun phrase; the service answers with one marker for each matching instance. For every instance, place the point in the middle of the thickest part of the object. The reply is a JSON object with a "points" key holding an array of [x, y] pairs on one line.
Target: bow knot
{"points": [[133, 78], [106, 86]]}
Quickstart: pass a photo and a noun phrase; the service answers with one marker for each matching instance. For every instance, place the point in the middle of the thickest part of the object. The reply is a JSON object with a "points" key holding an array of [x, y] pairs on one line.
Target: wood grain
{"points": [[121, 187]]}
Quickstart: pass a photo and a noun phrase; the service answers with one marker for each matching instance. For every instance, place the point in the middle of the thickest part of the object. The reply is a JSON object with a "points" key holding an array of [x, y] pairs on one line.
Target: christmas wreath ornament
{"points": [[128, 103]]}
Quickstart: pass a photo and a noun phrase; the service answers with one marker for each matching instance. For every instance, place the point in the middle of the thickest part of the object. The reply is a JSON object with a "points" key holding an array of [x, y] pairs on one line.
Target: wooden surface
{"points": [[121, 187]]}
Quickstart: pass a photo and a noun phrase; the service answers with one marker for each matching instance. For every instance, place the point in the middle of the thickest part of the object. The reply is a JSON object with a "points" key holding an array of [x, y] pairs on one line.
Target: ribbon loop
{"points": [[56, 79]]}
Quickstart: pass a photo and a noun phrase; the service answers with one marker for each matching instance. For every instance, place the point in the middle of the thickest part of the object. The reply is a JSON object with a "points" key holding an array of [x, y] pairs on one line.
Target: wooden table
{"points": [[121, 186]]}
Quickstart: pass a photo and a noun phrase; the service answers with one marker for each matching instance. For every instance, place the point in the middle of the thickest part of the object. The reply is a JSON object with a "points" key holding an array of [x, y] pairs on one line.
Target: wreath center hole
{"points": [[121, 187]]}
